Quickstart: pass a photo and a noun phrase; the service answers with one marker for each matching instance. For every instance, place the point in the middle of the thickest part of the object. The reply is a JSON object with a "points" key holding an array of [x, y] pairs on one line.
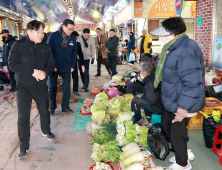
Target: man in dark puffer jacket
{"points": [[32, 62], [182, 73]]}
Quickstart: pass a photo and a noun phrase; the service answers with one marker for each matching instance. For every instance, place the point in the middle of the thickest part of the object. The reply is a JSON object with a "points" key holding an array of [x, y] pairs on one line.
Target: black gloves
{"points": [[92, 61]]}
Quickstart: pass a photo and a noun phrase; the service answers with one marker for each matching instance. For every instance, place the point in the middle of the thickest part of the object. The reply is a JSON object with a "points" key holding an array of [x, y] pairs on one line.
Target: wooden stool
{"points": [[218, 142]]}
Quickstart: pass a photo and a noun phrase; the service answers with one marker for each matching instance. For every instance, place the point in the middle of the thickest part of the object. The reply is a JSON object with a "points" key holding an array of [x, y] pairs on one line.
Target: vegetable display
{"points": [[101, 137], [102, 166], [92, 128], [98, 107], [133, 157], [96, 89], [127, 133], [101, 96], [108, 152], [117, 78], [100, 117], [117, 102], [86, 108]]}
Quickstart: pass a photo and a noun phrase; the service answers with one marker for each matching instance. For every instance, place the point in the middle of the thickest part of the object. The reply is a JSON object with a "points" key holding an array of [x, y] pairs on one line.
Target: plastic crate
{"points": [[196, 122], [209, 110]]}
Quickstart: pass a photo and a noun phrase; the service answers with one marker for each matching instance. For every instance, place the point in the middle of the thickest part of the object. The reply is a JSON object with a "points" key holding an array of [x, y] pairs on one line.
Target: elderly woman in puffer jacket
{"points": [[89, 51], [182, 72]]}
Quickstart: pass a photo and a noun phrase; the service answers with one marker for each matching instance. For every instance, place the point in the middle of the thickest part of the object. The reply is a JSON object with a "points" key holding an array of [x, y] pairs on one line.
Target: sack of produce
{"points": [[158, 143]]}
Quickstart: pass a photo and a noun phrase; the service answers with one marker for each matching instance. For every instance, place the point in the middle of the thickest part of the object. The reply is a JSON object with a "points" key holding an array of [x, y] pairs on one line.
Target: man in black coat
{"points": [[150, 101], [32, 62], [112, 51], [80, 60], [8, 41]]}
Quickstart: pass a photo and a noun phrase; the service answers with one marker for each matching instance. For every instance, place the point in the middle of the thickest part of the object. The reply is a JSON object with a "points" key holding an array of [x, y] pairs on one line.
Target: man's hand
{"points": [[36, 74], [42, 75], [72, 69], [107, 50], [83, 68], [180, 115], [55, 69]]}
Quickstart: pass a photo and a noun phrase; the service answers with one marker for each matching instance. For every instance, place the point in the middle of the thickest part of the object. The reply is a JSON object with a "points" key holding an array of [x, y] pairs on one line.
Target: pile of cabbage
{"points": [[128, 133], [108, 152], [106, 111]]}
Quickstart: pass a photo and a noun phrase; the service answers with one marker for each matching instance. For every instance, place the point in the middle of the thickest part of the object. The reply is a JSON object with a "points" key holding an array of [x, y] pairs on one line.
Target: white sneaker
{"points": [[175, 166], [191, 156]]}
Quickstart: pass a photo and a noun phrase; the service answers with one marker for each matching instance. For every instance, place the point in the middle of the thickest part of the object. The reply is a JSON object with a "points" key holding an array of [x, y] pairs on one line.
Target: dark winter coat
{"points": [[152, 95], [112, 46], [65, 58], [183, 82], [25, 56], [6, 48], [131, 44]]}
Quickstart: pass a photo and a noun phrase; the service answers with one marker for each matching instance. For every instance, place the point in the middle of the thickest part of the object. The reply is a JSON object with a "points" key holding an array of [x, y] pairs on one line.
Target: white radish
{"points": [[129, 152], [145, 154], [135, 166], [135, 158], [129, 146]]}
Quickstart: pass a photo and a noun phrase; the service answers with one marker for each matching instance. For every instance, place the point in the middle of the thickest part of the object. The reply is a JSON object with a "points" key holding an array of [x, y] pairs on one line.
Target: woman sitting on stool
{"points": [[150, 101]]}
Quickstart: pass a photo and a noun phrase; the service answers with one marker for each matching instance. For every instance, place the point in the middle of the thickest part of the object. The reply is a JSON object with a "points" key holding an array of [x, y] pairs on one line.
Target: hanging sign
{"points": [[179, 6], [162, 9]]}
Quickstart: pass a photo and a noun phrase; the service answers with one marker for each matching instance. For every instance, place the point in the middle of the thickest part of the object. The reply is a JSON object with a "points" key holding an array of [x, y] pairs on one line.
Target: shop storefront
{"points": [[11, 21], [148, 14]]}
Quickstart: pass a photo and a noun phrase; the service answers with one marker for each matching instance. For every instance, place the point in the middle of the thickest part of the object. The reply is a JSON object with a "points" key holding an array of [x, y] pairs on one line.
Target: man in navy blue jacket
{"points": [[64, 50]]}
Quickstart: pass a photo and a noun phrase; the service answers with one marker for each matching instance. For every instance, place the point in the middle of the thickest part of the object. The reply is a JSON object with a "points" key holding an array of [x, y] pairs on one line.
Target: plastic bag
{"points": [[112, 93], [209, 128], [157, 142], [132, 57]]}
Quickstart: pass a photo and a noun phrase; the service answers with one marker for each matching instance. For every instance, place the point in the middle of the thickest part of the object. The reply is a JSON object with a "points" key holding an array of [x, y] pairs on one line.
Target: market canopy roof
{"points": [[54, 11]]}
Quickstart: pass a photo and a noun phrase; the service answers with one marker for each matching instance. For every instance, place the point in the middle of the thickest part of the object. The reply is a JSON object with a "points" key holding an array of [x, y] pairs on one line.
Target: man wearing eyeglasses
{"points": [[64, 50]]}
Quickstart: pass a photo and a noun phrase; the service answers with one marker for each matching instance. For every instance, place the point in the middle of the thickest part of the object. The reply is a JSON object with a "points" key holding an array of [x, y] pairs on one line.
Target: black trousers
{"points": [[99, 62], [75, 78], [112, 61], [11, 75], [24, 103], [177, 134]]}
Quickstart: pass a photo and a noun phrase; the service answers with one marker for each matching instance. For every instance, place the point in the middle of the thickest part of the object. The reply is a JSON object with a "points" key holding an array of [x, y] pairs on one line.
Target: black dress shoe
{"points": [[76, 93], [51, 112], [86, 90], [83, 87], [97, 75], [23, 153], [67, 110]]}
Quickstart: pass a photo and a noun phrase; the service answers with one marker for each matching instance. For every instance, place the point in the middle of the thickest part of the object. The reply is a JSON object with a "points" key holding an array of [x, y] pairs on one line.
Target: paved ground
{"points": [[71, 150]]}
